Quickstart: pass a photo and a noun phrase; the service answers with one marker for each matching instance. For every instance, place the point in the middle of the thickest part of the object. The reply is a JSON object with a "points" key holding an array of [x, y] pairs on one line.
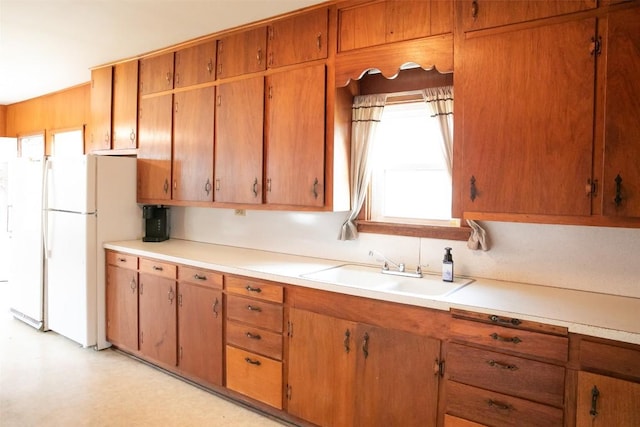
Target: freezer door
{"points": [[24, 226], [71, 276], [71, 183]]}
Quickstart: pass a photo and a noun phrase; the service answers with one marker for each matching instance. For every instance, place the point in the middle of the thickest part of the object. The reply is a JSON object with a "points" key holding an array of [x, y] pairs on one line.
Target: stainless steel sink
{"points": [[368, 277]]}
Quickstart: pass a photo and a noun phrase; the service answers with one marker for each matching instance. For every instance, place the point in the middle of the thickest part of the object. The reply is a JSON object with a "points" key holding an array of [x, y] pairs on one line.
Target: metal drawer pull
{"points": [[156, 268], [347, 336], [365, 345], [497, 337], [250, 289], [498, 319], [253, 336], [199, 277], [122, 260], [502, 365], [254, 308], [253, 362], [499, 405]]}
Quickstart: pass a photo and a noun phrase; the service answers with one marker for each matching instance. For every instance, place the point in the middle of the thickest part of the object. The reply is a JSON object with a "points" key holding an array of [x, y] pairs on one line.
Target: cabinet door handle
{"points": [[255, 188], [315, 188], [365, 345], [251, 361], [346, 342], [474, 9], [251, 289], [210, 66], [132, 284], [207, 186], [595, 393], [215, 307], [254, 308], [132, 135], [319, 41], [473, 191], [500, 365], [253, 336], [514, 340], [618, 199], [166, 186], [259, 56], [171, 295]]}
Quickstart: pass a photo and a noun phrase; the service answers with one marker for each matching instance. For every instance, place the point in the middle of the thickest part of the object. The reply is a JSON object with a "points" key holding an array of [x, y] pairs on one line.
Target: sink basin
{"points": [[368, 277]]}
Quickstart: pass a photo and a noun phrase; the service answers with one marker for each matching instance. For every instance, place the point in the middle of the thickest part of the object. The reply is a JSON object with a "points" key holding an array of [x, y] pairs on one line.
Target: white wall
{"points": [[595, 259]]}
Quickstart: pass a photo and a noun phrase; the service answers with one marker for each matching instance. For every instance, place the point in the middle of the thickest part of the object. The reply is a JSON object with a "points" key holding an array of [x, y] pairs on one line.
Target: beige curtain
{"points": [[365, 116], [440, 103]]}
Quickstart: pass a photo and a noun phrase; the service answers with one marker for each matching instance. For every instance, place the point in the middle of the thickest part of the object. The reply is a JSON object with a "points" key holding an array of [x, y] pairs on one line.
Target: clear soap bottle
{"points": [[447, 266]]}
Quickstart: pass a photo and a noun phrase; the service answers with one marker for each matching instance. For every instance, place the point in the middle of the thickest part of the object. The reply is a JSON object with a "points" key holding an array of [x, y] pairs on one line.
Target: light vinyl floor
{"points": [[48, 380]]}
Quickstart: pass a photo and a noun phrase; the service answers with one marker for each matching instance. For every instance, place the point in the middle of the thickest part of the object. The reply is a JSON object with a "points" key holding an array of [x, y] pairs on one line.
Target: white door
{"points": [[25, 239], [70, 276], [71, 183]]}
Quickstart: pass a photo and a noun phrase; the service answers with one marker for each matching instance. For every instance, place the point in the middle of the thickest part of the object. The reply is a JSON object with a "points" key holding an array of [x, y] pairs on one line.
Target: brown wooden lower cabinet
{"points": [[122, 300], [345, 373], [606, 401], [158, 329]]}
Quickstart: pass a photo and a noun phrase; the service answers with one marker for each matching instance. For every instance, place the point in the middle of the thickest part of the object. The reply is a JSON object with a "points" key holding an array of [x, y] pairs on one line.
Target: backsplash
{"points": [[596, 259]]}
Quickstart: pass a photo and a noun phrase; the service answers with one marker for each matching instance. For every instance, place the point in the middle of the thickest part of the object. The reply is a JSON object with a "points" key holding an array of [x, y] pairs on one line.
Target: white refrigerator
{"points": [[87, 200]]}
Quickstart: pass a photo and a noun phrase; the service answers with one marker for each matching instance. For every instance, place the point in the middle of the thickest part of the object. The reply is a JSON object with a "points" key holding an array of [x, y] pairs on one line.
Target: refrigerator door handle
{"points": [[9, 209], [45, 210]]}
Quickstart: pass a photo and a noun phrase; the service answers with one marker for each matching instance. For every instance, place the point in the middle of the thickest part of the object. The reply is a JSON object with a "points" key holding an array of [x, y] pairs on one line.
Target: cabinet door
{"points": [[193, 144], [321, 376], [298, 39], [239, 141], [122, 307], [125, 105], [295, 137], [156, 73], [242, 53], [408, 19], [101, 86], [200, 332], [479, 14], [157, 299], [362, 26], [403, 362], [622, 109], [195, 65], [154, 153], [605, 401], [528, 120]]}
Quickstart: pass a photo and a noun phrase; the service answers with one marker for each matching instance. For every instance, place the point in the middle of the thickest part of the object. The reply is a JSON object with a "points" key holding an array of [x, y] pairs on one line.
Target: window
{"points": [[410, 181]]}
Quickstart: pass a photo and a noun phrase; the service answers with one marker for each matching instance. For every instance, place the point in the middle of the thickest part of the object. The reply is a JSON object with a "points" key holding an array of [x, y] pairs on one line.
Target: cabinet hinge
{"points": [[591, 188], [289, 329], [439, 368], [288, 392], [596, 46]]}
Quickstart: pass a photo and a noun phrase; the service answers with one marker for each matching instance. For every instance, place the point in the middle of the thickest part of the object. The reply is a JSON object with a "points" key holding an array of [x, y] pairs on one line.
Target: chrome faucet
{"points": [[400, 267]]}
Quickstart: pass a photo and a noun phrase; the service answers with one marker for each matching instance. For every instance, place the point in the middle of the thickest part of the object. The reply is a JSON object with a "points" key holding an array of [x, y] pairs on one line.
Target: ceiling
{"points": [[49, 45]]}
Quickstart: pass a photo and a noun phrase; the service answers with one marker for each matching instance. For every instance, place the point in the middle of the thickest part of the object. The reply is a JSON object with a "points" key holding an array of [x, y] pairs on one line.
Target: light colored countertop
{"points": [[600, 315]]}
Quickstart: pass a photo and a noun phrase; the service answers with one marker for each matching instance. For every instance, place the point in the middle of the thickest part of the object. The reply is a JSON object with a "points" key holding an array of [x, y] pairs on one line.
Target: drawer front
{"points": [[158, 268], [491, 408], [254, 288], [510, 339], [256, 313], [541, 382], [255, 376], [122, 260], [256, 340], [610, 359], [200, 277]]}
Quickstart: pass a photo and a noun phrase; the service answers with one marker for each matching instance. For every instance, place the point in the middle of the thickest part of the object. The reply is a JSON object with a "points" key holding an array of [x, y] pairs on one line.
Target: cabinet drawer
{"points": [[511, 339], [541, 382], [256, 340], [257, 313], [491, 408], [200, 277], [254, 288], [122, 260], [158, 268], [255, 376], [610, 359]]}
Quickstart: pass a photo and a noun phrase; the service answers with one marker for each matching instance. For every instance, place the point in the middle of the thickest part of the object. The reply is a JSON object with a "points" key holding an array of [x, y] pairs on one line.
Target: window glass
{"points": [[410, 180]]}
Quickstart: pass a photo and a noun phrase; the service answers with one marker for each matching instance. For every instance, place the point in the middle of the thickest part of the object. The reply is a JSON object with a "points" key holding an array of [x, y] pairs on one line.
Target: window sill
{"points": [[429, 231]]}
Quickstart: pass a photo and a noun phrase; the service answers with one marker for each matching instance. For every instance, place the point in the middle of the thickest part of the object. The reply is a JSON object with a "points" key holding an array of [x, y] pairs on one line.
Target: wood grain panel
{"points": [[254, 339], [255, 376], [254, 288], [254, 312]]}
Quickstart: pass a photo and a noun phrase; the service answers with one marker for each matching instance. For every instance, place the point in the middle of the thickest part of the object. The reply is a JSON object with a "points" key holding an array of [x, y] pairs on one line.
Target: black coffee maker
{"points": [[156, 223]]}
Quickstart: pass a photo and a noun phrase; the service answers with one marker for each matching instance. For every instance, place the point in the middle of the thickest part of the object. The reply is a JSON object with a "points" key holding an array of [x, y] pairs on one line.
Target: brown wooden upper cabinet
{"points": [[125, 105], [621, 54], [100, 130], [156, 73], [195, 64], [298, 39], [379, 22], [242, 53], [528, 120], [480, 14]]}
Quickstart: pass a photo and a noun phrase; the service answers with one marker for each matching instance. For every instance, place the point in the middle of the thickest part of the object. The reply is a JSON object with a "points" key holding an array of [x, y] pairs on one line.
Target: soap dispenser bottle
{"points": [[447, 266]]}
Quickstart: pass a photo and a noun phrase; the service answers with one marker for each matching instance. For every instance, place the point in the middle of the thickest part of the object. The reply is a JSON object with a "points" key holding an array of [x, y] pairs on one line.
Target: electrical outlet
{"points": [[240, 212]]}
